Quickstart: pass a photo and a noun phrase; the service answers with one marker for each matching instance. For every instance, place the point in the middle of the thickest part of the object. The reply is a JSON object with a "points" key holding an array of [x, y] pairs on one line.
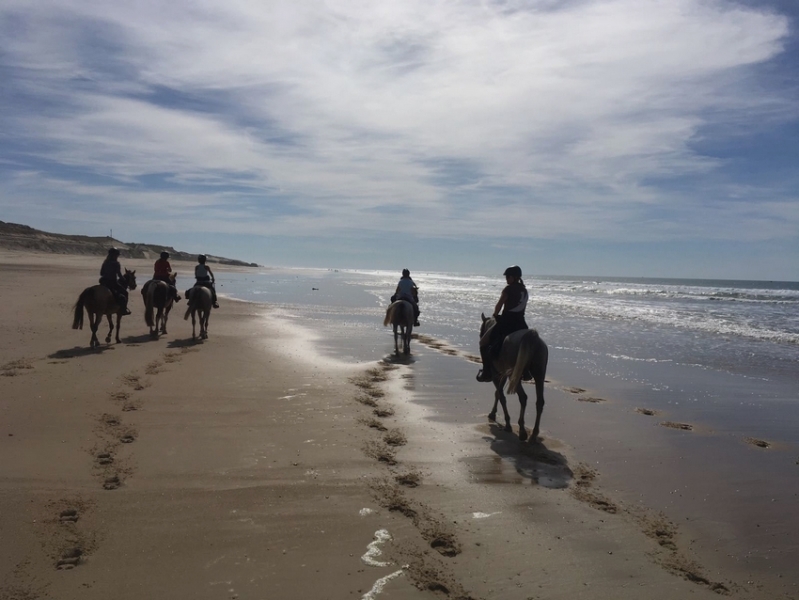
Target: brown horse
{"points": [[200, 303], [400, 315], [158, 295], [523, 352], [98, 301]]}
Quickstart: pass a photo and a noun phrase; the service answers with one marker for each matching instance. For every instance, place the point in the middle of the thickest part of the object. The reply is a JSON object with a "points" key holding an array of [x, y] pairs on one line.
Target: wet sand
{"points": [[251, 466]]}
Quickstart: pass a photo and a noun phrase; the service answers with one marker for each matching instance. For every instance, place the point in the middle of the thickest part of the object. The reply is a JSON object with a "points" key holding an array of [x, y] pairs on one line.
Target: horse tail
{"points": [[77, 321], [148, 311], [389, 314], [527, 348], [189, 305]]}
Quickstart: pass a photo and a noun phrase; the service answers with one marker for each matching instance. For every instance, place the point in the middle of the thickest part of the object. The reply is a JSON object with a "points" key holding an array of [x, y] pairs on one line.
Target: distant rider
{"points": [[205, 277], [512, 302], [408, 290], [161, 272], [111, 277]]}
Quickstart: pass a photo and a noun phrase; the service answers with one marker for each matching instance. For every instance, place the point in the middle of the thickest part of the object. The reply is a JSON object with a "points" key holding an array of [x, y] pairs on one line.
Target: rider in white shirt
{"points": [[205, 277]]}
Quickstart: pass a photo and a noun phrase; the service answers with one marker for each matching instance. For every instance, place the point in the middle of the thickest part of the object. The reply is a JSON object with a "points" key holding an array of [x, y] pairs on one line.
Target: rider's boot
{"points": [[175, 295], [216, 304], [123, 305], [485, 373]]}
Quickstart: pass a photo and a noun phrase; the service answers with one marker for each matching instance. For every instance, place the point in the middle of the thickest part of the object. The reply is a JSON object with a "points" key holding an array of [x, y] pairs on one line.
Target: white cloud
{"points": [[336, 109]]}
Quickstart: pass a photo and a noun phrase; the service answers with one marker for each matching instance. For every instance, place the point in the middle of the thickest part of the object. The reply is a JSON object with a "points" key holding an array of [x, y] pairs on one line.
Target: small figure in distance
{"points": [[161, 272], [111, 277], [512, 303], [408, 290], [205, 277]]}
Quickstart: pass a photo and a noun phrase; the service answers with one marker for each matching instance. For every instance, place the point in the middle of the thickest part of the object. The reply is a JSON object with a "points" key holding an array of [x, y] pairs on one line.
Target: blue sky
{"points": [[606, 137]]}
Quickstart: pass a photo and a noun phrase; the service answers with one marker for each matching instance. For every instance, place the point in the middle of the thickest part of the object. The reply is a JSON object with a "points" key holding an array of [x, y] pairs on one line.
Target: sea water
{"points": [[719, 356]]}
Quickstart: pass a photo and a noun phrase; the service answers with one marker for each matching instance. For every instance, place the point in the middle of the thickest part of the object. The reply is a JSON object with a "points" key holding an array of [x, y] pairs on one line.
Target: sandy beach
{"points": [[250, 466]]}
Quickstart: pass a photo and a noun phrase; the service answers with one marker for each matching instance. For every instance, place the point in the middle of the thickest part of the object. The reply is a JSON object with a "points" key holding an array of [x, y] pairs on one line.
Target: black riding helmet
{"points": [[201, 258], [113, 251], [165, 255], [514, 271], [406, 273]]}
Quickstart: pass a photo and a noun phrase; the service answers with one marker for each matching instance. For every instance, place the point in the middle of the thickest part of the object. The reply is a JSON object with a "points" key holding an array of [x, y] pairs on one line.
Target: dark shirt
{"points": [[515, 299], [111, 270]]}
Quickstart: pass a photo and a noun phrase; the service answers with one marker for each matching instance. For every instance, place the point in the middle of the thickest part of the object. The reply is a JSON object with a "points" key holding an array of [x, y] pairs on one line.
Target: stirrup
{"points": [[484, 376], [216, 305], [416, 324]]}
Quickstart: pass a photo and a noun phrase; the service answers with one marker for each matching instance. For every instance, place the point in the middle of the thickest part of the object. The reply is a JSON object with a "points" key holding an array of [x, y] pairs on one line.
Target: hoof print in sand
{"points": [[69, 559], [646, 411], [69, 515], [112, 483], [128, 438], [104, 458], [758, 443], [590, 399], [445, 545], [574, 390], [411, 479], [673, 425]]}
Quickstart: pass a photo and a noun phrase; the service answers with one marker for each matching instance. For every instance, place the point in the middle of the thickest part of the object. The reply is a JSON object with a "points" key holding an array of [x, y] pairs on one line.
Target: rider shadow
{"points": [[529, 460], [78, 351]]}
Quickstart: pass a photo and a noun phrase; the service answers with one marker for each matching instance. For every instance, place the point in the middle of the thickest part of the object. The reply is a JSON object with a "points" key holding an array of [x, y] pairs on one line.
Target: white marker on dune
{"points": [[381, 535]]}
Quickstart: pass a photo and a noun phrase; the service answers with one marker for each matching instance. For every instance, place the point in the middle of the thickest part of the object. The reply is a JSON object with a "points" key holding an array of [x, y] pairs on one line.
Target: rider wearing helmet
{"points": [[111, 277], [408, 290], [205, 277], [512, 303], [161, 272]]}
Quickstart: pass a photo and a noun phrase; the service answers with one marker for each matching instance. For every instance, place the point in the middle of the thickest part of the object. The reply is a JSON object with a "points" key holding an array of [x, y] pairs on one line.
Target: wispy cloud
{"points": [[326, 117]]}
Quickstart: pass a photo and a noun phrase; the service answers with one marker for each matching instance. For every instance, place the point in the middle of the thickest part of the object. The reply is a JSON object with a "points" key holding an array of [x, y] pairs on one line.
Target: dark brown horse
{"points": [[400, 315], [98, 301], [158, 297], [522, 352]]}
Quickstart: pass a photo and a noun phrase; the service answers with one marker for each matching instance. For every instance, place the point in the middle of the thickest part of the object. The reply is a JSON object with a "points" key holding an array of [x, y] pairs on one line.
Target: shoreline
{"points": [[252, 461]]}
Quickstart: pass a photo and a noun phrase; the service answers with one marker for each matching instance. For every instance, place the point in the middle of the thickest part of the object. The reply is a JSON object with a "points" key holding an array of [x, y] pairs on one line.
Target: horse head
{"points": [[173, 277], [486, 323], [130, 279]]}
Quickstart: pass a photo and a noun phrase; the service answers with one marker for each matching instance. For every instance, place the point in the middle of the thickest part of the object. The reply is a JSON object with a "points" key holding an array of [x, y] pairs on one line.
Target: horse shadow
{"points": [[78, 351], [184, 343], [399, 359], [139, 339], [531, 460]]}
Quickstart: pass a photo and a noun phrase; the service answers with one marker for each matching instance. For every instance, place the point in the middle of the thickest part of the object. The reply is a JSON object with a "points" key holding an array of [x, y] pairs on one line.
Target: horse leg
{"points": [[523, 403], [193, 324], [406, 340], [119, 320], [110, 328], [163, 321], [396, 344], [204, 324], [94, 323], [499, 396], [539, 403]]}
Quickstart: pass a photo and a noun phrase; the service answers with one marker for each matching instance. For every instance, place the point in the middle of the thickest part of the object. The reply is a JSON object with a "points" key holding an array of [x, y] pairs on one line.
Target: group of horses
{"points": [[523, 355], [98, 302]]}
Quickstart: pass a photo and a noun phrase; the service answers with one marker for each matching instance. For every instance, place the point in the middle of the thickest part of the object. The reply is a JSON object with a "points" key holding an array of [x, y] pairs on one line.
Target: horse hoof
{"points": [[492, 417], [508, 428], [522, 435]]}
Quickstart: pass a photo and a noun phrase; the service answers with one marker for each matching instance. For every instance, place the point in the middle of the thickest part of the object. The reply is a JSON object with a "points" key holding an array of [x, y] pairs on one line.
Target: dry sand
{"points": [[248, 467]]}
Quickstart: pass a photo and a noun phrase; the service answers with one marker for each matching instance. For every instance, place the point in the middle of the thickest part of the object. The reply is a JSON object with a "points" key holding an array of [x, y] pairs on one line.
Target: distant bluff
{"points": [[21, 237]]}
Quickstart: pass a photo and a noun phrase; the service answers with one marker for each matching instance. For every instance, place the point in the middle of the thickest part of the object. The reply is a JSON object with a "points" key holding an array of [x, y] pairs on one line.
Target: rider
{"points": [[513, 301], [111, 277], [205, 277], [408, 290], [161, 271]]}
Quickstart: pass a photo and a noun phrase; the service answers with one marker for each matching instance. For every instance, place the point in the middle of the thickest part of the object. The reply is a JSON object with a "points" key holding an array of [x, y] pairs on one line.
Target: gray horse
{"points": [[523, 353], [199, 299], [400, 315]]}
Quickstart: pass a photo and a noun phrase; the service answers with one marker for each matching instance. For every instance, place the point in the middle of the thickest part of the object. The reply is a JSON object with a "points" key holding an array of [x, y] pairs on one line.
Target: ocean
{"points": [[718, 358]]}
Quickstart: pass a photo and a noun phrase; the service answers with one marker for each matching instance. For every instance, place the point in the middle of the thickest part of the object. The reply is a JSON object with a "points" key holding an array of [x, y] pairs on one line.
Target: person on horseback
{"points": [[161, 272], [111, 277], [512, 302], [408, 290], [205, 277]]}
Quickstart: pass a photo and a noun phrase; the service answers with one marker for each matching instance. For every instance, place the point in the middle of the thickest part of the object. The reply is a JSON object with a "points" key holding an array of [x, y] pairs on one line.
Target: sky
{"points": [[574, 137]]}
